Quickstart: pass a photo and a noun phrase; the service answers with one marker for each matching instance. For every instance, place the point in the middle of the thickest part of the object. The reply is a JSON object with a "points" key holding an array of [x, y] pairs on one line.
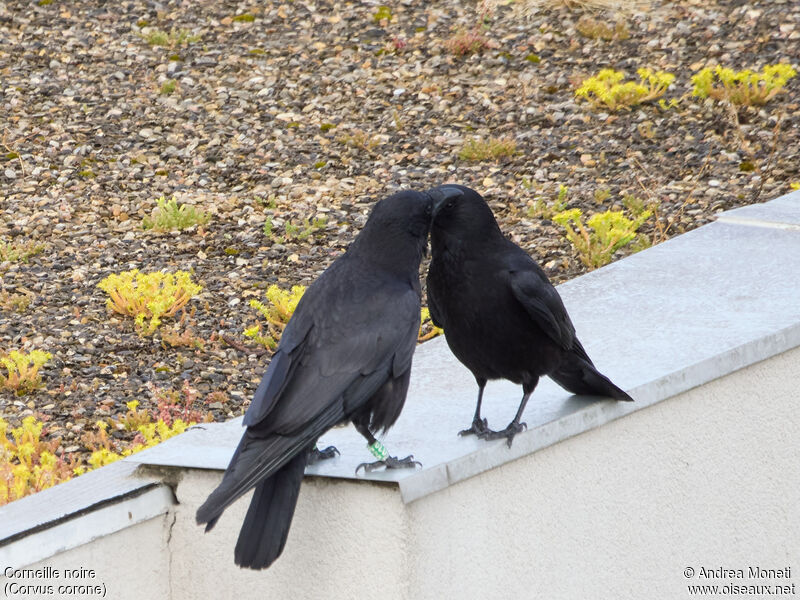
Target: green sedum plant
{"points": [[15, 302], [278, 310], [169, 216], [28, 463], [427, 330], [742, 88], [542, 209], [606, 89], [19, 251], [384, 13], [606, 233], [281, 305], [174, 414], [359, 140], [148, 296], [171, 39], [596, 29], [22, 370]]}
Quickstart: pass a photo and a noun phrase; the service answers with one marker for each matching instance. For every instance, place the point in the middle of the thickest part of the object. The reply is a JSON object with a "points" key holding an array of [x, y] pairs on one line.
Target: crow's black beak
{"points": [[442, 194]]}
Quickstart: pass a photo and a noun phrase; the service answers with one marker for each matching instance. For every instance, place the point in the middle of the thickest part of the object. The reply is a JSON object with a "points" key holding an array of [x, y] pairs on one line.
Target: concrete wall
{"points": [[131, 564], [348, 540]]}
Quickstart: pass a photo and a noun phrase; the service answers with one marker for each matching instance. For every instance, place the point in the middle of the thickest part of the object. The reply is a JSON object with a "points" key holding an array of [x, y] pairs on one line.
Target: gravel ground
{"points": [[315, 110]]}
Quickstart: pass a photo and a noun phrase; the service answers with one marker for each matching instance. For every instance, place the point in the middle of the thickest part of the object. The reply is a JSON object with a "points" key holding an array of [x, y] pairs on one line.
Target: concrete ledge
{"points": [[78, 511]]}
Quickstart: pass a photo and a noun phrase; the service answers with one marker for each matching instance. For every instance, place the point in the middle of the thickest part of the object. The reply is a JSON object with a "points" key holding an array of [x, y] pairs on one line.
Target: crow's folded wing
{"points": [[341, 348], [542, 302]]}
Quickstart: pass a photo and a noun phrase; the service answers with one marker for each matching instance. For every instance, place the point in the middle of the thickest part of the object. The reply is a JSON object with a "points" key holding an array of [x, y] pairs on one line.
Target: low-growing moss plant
{"points": [[148, 296], [28, 463], [476, 149], [606, 233], [607, 90], [170, 216], [244, 18], [167, 87], [22, 371], [742, 88], [19, 251]]}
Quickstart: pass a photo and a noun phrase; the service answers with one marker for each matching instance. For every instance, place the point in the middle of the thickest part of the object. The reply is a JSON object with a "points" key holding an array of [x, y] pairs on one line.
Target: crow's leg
{"points": [[515, 426], [316, 455], [379, 451], [479, 426]]}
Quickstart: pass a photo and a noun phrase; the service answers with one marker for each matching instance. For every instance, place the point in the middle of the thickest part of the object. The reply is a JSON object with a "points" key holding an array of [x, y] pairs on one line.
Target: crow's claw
{"points": [[478, 427], [317, 455], [391, 462], [508, 433]]}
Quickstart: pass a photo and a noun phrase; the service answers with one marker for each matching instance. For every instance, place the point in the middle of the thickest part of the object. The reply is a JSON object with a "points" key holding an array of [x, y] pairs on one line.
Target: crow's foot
{"points": [[479, 427], [508, 433], [390, 462], [317, 455]]}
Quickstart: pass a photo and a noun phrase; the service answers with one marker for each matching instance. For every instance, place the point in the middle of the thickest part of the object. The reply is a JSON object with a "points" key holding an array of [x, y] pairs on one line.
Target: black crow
{"points": [[344, 355], [501, 315]]}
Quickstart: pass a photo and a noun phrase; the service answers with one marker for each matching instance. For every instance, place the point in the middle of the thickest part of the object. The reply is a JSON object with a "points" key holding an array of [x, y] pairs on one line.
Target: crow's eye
{"points": [[450, 204]]}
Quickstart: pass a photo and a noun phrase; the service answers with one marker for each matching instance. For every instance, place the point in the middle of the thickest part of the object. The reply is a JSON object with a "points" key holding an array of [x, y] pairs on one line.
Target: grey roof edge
{"points": [[781, 213], [53, 506], [751, 222], [596, 414]]}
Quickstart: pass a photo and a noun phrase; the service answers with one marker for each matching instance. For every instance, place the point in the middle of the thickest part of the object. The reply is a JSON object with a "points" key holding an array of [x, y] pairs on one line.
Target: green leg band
{"points": [[378, 450]]}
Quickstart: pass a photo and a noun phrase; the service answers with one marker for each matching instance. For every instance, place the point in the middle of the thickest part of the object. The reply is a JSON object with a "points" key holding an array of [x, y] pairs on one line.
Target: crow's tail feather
{"points": [[578, 375], [266, 526], [255, 459]]}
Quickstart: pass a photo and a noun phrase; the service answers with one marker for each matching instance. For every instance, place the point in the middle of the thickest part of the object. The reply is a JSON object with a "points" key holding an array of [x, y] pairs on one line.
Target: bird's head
{"points": [[397, 228], [406, 213], [460, 212]]}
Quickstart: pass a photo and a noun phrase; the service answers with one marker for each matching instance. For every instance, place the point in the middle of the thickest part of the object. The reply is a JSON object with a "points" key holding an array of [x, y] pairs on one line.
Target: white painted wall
{"points": [[708, 478], [132, 564], [348, 540]]}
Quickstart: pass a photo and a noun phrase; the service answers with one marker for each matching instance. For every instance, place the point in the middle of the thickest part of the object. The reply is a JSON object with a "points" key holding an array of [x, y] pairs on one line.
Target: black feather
{"points": [[345, 354], [501, 315]]}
